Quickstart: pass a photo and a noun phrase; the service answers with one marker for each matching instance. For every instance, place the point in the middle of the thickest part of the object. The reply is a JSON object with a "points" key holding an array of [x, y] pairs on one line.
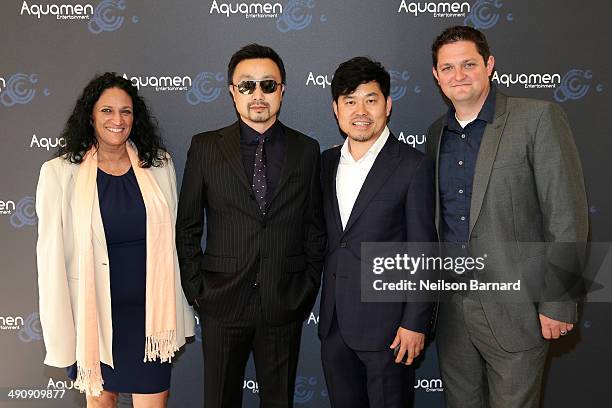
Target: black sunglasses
{"points": [[247, 87]]}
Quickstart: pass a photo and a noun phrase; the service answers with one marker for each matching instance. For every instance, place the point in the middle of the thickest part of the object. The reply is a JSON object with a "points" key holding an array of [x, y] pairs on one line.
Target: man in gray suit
{"points": [[507, 171]]}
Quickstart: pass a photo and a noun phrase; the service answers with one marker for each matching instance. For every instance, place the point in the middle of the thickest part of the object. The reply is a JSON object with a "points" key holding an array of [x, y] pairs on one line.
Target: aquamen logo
{"points": [[198, 329], [61, 12], [399, 84], [25, 213], [429, 385], [528, 81], [7, 207], [251, 385], [207, 87], [161, 83], [108, 16], [304, 389], [443, 9], [412, 140], [485, 14], [297, 15], [318, 80], [19, 89], [573, 85], [314, 319], [11, 322], [250, 10], [60, 384], [47, 143], [31, 329]]}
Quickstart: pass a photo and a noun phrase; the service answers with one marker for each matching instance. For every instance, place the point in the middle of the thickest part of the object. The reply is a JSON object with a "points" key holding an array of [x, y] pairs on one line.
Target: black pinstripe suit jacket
{"points": [[282, 250]]}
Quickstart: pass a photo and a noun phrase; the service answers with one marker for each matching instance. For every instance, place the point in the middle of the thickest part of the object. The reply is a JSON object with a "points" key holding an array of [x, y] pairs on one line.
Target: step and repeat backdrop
{"points": [[176, 53]]}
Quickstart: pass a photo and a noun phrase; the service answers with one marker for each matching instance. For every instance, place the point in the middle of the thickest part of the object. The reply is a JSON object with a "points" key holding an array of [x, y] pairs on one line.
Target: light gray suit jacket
{"points": [[528, 187]]}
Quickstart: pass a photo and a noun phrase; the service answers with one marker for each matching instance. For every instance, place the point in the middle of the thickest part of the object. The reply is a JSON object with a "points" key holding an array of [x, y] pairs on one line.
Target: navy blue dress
{"points": [[124, 218]]}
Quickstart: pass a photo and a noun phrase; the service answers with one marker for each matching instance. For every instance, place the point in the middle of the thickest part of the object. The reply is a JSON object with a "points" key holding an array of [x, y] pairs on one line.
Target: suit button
{"points": [[343, 245], [334, 275]]}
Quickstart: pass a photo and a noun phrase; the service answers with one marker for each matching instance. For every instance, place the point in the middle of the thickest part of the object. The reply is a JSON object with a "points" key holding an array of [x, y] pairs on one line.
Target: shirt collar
{"points": [[486, 114], [372, 151], [251, 136]]}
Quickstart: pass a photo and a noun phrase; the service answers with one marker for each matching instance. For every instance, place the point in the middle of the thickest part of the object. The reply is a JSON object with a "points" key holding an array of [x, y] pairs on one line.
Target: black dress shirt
{"points": [[274, 147], [458, 153]]}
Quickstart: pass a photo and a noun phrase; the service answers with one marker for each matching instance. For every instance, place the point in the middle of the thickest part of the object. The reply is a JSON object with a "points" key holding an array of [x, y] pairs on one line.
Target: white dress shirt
{"points": [[352, 173]]}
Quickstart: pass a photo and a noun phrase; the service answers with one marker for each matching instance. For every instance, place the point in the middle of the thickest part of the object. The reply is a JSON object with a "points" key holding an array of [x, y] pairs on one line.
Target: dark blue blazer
{"points": [[395, 204]]}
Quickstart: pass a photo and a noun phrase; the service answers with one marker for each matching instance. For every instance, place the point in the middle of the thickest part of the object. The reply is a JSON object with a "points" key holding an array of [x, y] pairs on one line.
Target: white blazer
{"points": [[57, 264]]}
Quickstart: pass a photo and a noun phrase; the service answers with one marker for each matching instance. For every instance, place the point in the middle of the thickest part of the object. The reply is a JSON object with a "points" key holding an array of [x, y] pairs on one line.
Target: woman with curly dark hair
{"points": [[111, 305]]}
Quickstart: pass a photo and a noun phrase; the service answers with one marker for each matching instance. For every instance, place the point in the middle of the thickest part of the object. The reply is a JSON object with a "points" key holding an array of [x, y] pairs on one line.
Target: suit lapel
{"points": [[96, 216], [486, 157], [229, 144], [436, 150], [292, 155], [384, 165], [330, 186]]}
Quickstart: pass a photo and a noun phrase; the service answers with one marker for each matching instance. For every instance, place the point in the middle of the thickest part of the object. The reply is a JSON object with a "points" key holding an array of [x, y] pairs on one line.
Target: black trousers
{"points": [[364, 379], [227, 346]]}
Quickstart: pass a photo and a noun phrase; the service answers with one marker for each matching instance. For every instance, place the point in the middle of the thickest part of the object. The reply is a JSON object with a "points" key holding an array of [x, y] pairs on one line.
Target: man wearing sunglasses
{"points": [[257, 184]]}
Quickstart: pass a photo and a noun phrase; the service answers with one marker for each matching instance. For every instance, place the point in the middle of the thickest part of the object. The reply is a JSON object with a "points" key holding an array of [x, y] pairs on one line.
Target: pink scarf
{"points": [[160, 325]]}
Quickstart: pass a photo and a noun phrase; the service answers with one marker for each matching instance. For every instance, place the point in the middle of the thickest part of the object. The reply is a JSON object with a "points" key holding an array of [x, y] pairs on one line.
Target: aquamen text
{"points": [[412, 140], [454, 9], [47, 142], [528, 80], [2, 84], [7, 207], [164, 83], [61, 12], [10, 322], [249, 10]]}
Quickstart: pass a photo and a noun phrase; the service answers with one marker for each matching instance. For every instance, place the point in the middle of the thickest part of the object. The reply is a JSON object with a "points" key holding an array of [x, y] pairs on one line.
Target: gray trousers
{"points": [[476, 371]]}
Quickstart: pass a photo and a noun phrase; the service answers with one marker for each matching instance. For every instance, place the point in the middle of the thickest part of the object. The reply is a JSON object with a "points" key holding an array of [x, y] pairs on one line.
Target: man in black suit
{"points": [[257, 184], [375, 189]]}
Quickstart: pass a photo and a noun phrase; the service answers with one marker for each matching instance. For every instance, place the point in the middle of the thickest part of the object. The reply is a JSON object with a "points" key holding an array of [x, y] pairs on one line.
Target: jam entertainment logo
{"points": [[24, 213], [437, 10], [109, 16], [19, 89], [575, 84], [31, 330], [207, 87], [249, 10], [429, 385], [161, 83], [59, 11], [485, 14], [399, 84], [527, 81], [297, 15], [413, 140]]}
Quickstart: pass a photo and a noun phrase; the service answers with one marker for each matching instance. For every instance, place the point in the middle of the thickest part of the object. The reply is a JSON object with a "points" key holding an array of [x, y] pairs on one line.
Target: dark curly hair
{"points": [[79, 133]]}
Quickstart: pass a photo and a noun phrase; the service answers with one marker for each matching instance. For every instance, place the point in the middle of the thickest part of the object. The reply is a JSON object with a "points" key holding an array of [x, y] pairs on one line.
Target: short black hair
{"points": [[356, 71], [461, 33], [253, 51]]}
